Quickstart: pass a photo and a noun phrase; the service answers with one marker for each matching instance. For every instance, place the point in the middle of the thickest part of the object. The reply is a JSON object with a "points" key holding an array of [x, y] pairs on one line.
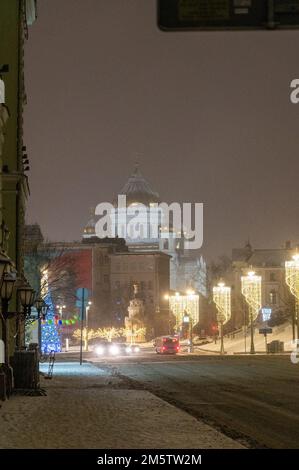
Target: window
{"points": [[272, 277], [106, 278], [273, 297]]}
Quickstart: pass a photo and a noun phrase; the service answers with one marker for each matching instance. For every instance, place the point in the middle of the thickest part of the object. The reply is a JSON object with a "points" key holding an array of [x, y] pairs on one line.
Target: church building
{"points": [[187, 267]]}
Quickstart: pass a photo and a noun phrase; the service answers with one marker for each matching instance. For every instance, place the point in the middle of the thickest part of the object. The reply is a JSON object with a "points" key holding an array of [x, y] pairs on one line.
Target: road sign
{"points": [[82, 293], [175, 15], [82, 298], [265, 331]]}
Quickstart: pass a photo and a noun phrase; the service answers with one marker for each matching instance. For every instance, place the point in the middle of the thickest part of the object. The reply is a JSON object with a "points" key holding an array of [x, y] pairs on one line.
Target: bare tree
{"points": [[60, 266]]}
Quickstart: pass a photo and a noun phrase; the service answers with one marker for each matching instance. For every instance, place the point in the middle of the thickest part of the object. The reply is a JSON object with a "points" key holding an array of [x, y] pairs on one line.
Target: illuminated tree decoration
{"points": [[222, 299], [292, 275], [251, 286], [252, 291], [292, 280], [181, 304], [51, 340]]}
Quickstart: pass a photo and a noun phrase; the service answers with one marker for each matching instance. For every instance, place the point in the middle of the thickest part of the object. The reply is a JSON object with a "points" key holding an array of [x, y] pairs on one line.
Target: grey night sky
{"points": [[209, 113]]}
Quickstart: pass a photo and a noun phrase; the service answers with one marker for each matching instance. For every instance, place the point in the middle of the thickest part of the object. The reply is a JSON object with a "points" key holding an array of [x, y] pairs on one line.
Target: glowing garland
{"points": [[61, 322]]}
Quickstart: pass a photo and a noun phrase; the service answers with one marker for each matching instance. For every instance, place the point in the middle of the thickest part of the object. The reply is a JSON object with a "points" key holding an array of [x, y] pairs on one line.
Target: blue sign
{"points": [[82, 293]]}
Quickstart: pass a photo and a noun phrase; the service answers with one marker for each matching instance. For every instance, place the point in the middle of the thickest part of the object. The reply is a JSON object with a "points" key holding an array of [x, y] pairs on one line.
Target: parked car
{"points": [[167, 345]]}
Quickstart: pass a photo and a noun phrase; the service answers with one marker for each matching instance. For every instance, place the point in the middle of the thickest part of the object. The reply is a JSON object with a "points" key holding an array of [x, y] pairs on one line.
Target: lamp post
{"points": [[60, 309], [222, 299], [4, 263], [26, 297], [192, 306], [251, 286], [42, 309], [187, 319], [8, 282], [292, 280], [166, 297], [86, 324]]}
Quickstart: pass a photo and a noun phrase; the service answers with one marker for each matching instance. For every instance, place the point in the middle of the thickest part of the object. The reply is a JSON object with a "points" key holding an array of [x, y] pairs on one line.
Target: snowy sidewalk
{"points": [[87, 408]]}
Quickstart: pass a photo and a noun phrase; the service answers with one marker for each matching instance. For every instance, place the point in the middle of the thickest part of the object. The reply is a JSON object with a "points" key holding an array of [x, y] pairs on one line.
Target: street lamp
{"points": [[86, 324], [251, 286], [222, 299], [292, 280], [8, 282], [42, 309], [187, 319], [60, 308], [193, 308], [4, 263], [26, 297]]}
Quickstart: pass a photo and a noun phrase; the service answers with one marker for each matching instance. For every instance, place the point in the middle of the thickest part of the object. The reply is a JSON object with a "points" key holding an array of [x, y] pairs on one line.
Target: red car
{"points": [[167, 345]]}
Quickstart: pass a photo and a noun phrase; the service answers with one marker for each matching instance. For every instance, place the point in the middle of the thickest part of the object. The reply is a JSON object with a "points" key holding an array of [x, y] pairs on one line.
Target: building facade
{"points": [[187, 267], [108, 270], [150, 271], [15, 18], [270, 265]]}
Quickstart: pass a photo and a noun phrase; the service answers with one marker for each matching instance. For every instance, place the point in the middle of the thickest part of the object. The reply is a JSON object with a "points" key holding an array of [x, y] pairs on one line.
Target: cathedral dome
{"points": [[89, 229], [138, 190]]}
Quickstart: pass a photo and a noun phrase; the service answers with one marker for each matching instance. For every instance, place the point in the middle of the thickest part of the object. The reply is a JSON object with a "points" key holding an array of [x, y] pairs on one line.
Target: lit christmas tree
{"points": [[51, 340]]}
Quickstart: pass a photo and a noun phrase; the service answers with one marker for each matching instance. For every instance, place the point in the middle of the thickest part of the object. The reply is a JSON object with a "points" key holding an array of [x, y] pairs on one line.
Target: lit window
{"points": [[273, 297]]}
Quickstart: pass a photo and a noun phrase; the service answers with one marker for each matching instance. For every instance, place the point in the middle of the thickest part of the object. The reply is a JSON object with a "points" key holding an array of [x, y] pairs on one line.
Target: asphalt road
{"points": [[254, 399]]}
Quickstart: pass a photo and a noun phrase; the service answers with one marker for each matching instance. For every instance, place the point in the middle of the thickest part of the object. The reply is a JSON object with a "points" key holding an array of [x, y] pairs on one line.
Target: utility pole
{"points": [[82, 319]]}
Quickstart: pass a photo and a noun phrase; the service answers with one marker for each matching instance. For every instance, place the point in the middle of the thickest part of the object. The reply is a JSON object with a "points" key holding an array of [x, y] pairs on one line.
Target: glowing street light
{"points": [[292, 280], [251, 286], [86, 323], [222, 299], [60, 309]]}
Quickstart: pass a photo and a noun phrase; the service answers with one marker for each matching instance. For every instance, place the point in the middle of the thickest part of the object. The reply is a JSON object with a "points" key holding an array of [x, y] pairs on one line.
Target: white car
{"points": [[116, 349]]}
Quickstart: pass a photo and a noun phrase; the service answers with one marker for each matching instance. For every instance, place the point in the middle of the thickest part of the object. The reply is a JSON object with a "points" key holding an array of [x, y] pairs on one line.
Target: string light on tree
{"points": [[222, 299], [180, 304], [60, 309], [292, 280], [251, 286]]}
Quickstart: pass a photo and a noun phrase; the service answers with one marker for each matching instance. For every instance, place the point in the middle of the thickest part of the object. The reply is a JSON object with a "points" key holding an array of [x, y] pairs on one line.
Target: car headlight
{"points": [[114, 349], [128, 350], [100, 350], [136, 349]]}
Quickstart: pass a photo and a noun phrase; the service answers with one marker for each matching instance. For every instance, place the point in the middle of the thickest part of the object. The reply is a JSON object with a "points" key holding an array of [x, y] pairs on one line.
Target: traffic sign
{"points": [[175, 15], [82, 293], [265, 331]]}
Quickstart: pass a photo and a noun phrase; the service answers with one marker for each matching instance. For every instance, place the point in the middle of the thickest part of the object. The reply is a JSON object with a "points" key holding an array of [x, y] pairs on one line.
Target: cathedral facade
{"points": [[187, 267]]}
